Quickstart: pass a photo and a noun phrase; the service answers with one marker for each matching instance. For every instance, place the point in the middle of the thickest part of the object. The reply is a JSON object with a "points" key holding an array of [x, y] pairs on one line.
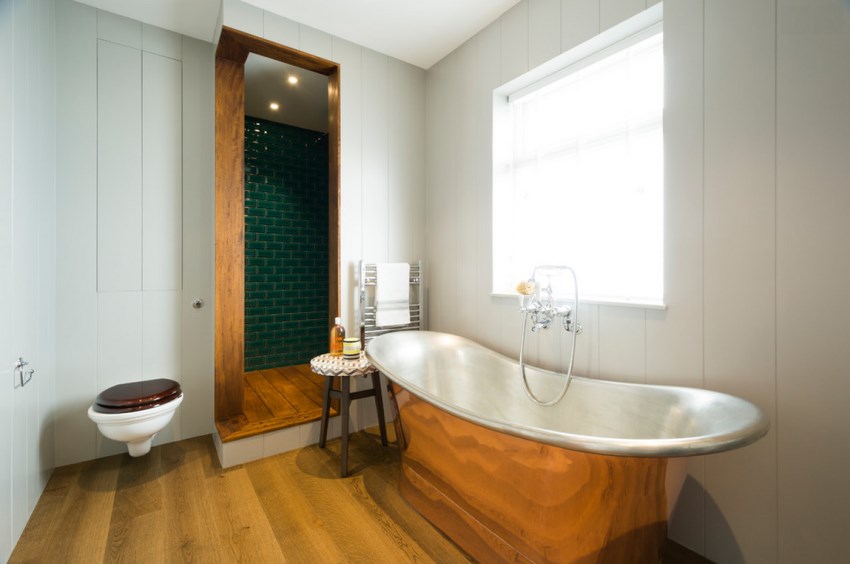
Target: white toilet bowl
{"points": [[134, 413]]}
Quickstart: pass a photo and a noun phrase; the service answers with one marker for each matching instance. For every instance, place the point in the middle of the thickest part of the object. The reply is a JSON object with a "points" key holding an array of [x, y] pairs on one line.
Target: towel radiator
{"points": [[368, 279]]}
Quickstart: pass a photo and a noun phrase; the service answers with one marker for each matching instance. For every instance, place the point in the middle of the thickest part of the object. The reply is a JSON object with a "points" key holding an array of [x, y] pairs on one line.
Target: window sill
{"points": [[624, 302]]}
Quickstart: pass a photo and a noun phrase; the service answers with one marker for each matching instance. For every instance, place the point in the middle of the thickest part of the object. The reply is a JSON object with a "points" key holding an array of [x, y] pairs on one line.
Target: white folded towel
{"points": [[392, 294]]}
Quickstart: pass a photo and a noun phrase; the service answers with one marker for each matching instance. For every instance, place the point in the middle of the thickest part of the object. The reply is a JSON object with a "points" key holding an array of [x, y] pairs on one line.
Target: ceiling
{"points": [[304, 104], [420, 32]]}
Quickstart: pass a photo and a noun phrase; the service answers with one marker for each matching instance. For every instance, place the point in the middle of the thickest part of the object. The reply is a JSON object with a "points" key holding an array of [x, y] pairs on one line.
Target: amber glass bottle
{"points": [[337, 335]]}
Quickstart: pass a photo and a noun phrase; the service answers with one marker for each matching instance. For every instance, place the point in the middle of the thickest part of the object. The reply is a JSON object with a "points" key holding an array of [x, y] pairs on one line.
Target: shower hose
{"points": [[574, 330]]}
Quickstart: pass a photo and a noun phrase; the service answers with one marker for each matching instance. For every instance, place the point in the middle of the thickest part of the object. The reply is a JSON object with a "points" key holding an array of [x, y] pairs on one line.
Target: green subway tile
{"points": [[286, 244]]}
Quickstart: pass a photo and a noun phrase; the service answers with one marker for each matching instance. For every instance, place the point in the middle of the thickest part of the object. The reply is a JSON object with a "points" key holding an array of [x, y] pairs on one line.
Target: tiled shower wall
{"points": [[286, 244]]}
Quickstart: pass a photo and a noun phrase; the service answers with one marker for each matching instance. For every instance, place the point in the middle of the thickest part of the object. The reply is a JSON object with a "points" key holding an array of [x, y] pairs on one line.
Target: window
{"points": [[578, 174]]}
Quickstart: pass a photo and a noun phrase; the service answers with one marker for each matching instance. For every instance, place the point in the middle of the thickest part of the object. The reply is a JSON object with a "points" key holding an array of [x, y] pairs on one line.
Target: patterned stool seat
{"points": [[329, 365]]}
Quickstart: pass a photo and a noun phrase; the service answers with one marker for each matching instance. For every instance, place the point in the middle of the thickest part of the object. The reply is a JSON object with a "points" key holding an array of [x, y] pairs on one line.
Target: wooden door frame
{"points": [[231, 53]]}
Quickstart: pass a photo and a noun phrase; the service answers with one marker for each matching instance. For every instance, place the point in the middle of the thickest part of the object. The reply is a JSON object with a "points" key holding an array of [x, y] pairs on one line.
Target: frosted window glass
{"points": [[586, 179]]}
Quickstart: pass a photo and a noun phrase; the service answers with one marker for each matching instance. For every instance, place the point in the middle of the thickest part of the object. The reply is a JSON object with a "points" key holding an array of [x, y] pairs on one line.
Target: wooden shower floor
{"points": [[274, 399]]}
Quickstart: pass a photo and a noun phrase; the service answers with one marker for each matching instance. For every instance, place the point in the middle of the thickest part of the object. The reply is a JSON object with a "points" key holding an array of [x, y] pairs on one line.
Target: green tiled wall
{"points": [[286, 244]]}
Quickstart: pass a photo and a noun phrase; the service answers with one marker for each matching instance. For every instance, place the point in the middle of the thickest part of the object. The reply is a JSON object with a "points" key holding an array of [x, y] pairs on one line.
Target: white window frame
{"points": [[622, 36]]}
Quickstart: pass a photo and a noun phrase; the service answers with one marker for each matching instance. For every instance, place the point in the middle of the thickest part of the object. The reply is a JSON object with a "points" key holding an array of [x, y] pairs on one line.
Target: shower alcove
{"points": [[271, 387]]}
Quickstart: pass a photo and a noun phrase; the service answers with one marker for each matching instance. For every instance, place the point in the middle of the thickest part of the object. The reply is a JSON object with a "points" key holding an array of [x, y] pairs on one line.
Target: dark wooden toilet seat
{"points": [[136, 396]]}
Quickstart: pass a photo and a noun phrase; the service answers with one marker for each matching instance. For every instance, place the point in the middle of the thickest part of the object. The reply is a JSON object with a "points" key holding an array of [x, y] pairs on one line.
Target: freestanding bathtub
{"points": [[508, 480]]}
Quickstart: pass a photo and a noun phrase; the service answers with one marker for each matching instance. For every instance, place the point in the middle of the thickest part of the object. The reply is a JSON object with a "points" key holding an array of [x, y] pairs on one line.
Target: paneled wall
{"points": [[757, 247], [382, 154], [812, 277], [27, 255], [134, 222]]}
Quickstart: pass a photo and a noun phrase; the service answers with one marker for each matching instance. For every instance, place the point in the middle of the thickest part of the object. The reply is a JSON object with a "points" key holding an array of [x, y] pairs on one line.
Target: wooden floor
{"points": [[177, 505], [274, 399]]}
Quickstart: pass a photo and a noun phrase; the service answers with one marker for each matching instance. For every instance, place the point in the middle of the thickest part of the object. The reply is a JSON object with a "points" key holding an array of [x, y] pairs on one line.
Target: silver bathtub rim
{"points": [[755, 426]]}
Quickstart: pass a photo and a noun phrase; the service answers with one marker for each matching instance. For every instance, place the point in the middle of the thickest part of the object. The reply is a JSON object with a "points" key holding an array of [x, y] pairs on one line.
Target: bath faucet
{"points": [[543, 310], [543, 306], [539, 322]]}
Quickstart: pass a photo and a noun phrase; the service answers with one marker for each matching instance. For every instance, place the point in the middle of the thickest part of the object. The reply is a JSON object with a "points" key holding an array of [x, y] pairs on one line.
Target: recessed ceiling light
{"points": [[292, 79], [274, 106]]}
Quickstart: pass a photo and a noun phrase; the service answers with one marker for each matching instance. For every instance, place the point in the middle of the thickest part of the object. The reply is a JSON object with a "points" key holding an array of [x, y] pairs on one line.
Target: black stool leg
{"points": [[379, 405], [326, 406], [344, 403]]}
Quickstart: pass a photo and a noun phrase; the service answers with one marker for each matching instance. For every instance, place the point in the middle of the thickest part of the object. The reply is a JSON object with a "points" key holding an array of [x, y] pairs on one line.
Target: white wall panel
{"points": [[7, 153], [579, 22], [45, 145], [316, 42], [375, 165], [349, 56], [119, 168], [118, 29], [441, 157], [119, 338], [406, 162], [740, 271], [281, 30], [27, 246], [162, 346], [465, 201], [544, 31], [196, 411], [612, 12], [25, 189], [674, 337], [162, 173], [26, 284], [622, 343], [161, 340], [487, 74], [76, 228], [162, 42], [244, 17], [22, 402], [514, 41], [18, 237], [813, 275]]}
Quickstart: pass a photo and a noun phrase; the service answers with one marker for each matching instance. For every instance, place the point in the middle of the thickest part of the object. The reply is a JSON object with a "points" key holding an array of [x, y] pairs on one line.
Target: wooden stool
{"points": [[338, 367]]}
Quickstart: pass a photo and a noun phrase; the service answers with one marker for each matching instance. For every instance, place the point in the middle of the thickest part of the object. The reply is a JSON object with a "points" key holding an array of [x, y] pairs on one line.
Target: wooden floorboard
{"points": [[278, 403], [177, 505], [274, 399], [253, 407], [279, 378], [71, 521], [294, 379], [137, 511]]}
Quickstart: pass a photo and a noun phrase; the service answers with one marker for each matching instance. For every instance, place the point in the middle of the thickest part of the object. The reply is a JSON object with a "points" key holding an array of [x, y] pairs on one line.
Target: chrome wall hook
{"points": [[23, 375]]}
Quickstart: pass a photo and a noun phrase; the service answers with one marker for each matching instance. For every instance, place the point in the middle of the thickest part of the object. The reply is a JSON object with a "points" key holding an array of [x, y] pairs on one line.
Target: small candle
{"points": [[351, 348]]}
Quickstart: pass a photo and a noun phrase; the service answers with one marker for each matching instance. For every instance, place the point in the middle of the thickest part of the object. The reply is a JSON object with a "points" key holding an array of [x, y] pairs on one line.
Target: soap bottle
{"points": [[337, 335]]}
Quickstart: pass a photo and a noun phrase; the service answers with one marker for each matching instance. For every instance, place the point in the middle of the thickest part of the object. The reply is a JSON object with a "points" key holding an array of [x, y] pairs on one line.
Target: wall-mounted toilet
{"points": [[135, 412]]}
